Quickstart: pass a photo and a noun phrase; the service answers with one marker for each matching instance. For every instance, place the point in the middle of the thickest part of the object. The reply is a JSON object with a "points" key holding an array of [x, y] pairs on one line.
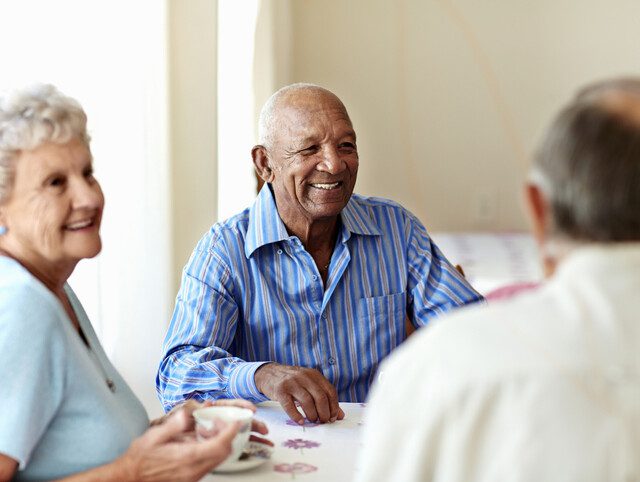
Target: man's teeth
{"points": [[80, 224], [333, 185]]}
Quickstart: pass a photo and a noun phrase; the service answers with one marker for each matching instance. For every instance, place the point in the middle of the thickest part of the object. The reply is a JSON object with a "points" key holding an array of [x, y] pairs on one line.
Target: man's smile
{"points": [[327, 186]]}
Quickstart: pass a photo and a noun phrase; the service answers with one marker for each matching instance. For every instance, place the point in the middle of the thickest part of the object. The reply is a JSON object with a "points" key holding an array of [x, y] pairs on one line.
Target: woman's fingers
{"points": [[258, 426], [261, 440], [173, 427], [218, 446]]}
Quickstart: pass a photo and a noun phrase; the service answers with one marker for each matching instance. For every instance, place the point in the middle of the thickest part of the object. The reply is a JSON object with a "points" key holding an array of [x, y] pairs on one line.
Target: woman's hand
{"points": [[8, 467], [256, 425], [163, 454], [191, 405]]}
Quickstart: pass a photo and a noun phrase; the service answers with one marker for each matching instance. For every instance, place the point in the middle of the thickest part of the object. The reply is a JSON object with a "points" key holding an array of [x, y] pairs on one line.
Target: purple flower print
{"points": [[293, 469], [298, 443], [304, 425]]}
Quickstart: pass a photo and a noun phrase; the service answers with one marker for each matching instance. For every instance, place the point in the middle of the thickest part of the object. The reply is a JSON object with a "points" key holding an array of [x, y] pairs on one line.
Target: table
{"points": [[308, 453]]}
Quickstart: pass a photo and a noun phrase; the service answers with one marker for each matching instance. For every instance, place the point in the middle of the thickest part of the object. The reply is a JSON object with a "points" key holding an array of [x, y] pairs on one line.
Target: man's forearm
{"points": [[182, 377]]}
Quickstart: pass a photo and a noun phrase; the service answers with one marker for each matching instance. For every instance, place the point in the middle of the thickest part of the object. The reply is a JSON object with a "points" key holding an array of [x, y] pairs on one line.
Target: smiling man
{"points": [[298, 298]]}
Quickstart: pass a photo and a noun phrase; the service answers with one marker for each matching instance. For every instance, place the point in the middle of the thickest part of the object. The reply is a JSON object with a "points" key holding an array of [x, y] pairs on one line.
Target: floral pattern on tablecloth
{"points": [[300, 444], [295, 468], [306, 424], [324, 453]]}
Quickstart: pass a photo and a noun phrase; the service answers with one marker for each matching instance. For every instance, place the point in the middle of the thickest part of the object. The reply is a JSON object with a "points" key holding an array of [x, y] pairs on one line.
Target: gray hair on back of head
{"points": [[267, 119], [31, 117], [589, 164]]}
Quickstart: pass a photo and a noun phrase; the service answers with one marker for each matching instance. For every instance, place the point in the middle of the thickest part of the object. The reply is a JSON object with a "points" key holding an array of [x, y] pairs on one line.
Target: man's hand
{"points": [[290, 384]]}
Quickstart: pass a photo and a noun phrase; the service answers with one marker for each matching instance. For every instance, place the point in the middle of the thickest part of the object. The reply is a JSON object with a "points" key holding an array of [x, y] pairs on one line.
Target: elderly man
{"points": [[299, 298], [545, 386]]}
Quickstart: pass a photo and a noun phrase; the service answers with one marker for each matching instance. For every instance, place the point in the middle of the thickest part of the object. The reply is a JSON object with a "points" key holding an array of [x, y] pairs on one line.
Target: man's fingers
{"points": [[307, 402], [321, 403], [326, 402], [286, 401], [309, 387], [335, 409], [334, 406]]}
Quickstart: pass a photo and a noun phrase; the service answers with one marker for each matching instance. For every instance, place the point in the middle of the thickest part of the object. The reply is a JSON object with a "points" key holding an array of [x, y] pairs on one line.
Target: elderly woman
{"points": [[66, 412]]}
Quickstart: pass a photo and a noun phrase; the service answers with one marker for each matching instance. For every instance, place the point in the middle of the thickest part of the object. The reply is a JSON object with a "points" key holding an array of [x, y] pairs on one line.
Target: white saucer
{"points": [[258, 452]]}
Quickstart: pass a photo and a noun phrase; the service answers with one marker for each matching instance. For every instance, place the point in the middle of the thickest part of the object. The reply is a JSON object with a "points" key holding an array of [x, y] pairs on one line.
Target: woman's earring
{"points": [[3, 230]]}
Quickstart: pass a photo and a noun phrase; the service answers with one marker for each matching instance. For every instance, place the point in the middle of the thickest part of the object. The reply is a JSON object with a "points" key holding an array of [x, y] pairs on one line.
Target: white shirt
{"points": [[544, 387]]}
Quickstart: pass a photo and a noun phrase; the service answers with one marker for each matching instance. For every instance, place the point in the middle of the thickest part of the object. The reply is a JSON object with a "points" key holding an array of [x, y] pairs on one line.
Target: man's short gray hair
{"points": [[31, 117], [589, 164], [267, 120]]}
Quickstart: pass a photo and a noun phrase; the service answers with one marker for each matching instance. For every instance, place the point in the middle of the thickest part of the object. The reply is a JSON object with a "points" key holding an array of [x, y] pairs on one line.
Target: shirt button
{"points": [[332, 361], [314, 277]]}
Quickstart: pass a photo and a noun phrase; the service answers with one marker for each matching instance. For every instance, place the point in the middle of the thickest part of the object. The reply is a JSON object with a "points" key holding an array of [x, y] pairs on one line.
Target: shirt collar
{"points": [[356, 219], [266, 227], [603, 260]]}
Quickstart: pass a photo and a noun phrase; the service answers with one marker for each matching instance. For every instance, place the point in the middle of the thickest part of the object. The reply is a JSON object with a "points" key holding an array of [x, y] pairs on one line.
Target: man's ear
{"points": [[261, 163], [539, 211], [537, 207]]}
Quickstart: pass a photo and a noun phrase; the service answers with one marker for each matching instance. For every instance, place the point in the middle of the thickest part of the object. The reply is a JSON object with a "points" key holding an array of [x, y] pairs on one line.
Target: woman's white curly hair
{"points": [[31, 117]]}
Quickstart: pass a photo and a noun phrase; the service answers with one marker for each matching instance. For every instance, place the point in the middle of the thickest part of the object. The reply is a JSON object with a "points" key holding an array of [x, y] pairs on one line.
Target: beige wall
{"points": [[273, 54], [448, 102], [193, 125]]}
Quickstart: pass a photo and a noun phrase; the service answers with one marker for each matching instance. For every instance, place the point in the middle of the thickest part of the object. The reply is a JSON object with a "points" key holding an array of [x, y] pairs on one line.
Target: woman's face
{"points": [[54, 209]]}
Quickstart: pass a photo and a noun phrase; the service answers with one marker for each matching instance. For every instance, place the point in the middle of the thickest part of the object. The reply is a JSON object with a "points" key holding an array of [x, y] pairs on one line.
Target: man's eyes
{"points": [[347, 147], [310, 150]]}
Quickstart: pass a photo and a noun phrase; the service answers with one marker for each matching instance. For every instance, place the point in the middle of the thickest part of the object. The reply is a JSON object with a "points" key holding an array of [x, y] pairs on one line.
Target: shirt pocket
{"points": [[381, 326]]}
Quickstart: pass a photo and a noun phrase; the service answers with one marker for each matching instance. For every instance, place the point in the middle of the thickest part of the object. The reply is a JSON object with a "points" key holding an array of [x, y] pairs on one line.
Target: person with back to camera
{"points": [[65, 412], [545, 386]]}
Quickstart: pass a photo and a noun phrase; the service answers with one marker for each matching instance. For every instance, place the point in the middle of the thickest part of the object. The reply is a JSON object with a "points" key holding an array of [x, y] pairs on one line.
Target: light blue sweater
{"points": [[58, 415]]}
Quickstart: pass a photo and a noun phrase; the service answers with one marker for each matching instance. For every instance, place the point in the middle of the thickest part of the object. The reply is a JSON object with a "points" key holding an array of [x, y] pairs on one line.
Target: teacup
{"points": [[208, 417]]}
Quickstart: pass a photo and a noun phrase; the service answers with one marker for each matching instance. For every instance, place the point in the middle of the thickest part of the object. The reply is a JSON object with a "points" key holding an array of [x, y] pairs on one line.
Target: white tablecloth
{"points": [[309, 453]]}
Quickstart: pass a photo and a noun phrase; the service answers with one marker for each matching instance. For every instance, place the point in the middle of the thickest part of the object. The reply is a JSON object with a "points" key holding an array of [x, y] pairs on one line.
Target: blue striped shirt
{"points": [[251, 293]]}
